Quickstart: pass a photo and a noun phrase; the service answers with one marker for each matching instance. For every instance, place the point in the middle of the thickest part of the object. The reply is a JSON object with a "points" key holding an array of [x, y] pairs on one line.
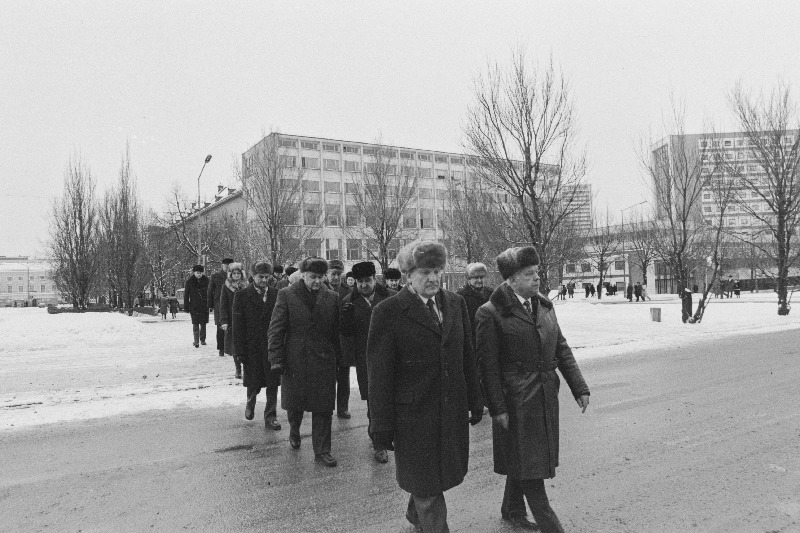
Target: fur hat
{"points": [[277, 269], [422, 254], [392, 273], [317, 265], [363, 270], [515, 259], [235, 266], [335, 264], [474, 269], [261, 267], [227, 261], [198, 268], [290, 270], [349, 275]]}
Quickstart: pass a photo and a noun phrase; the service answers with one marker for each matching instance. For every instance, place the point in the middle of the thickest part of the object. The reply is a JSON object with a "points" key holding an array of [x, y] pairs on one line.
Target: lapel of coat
{"points": [[505, 298], [256, 299], [415, 310], [447, 308]]}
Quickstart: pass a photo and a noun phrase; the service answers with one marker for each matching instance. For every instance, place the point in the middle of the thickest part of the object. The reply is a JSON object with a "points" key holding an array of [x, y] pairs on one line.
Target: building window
{"points": [[332, 186], [350, 188], [424, 157], [331, 164], [312, 247], [425, 172], [21, 288], [426, 193], [406, 155], [44, 288], [619, 265], [410, 218], [351, 214], [586, 267], [10, 289], [309, 145], [330, 147], [310, 162], [288, 161], [352, 166], [348, 149], [311, 215], [19, 278], [9, 278], [570, 268], [703, 144], [426, 218], [370, 151], [457, 160], [310, 186], [441, 174], [458, 175], [353, 249], [707, 209], [441, 159], [728, 143], [332, 214], [707, 196], [289, 143]]}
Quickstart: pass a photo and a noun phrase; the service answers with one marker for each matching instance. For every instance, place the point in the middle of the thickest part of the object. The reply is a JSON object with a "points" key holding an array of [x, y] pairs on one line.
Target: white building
{"points": [[26, 281]]}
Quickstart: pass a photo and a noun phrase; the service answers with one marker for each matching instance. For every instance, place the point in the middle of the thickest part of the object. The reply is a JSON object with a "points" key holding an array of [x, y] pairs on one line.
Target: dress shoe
{"points": [[271, 423], [222, 353], [294, 442], [381, 456], [238, 374], [195, 345], [203, 343], [249, 412], [326, 459], [522, 522], [343, 414]]}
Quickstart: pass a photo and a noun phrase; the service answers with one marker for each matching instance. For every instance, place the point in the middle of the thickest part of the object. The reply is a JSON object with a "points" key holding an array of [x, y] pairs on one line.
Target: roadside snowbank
{"points": [[59, 368]]}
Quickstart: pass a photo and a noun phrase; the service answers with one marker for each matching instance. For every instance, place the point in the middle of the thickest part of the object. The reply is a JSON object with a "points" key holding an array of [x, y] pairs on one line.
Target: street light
{"points": [[199, 242], [622, 235]]}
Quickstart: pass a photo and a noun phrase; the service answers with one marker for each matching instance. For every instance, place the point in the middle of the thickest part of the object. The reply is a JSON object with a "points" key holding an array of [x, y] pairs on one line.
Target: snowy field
{"points": [[59, 368]]}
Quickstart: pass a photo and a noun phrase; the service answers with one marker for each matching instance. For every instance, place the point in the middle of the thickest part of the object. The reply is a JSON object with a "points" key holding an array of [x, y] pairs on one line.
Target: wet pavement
{"points": [[706, 439]]}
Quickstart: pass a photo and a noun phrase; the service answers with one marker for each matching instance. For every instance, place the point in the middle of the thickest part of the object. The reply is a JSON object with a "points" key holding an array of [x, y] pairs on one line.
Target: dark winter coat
{"points": [[518, 362], [354, 328], [173, 304], [215, 292], [163, 305], [250, 320], [423, 383], [195, 299], [304, 338], [226, 311], [475, 299]]}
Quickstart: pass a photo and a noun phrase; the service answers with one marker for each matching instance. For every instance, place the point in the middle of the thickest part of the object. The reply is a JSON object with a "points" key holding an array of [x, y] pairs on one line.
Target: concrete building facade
{"points": [[25, 281]]}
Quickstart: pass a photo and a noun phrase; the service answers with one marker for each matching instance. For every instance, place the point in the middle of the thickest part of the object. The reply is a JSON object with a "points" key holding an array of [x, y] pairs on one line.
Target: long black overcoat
{"points": [[423, 383], [250, 320], [474, 298], [226, 311], [195, 299], [215, 286], [304, 338], [355, 332], [518, 362]]}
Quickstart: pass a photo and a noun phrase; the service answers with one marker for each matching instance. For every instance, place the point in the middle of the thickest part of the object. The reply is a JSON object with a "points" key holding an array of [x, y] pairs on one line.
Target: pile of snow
{"points": [[59, 368]]}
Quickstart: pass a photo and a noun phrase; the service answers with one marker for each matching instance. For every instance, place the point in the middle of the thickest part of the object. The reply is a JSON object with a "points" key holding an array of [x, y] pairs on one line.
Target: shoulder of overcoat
{"points": [[503, 299]]}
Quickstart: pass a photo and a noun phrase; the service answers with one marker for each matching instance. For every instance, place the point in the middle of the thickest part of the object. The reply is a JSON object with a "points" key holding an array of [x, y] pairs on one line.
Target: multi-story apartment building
{"points": [[25, 281], [330, 168]]}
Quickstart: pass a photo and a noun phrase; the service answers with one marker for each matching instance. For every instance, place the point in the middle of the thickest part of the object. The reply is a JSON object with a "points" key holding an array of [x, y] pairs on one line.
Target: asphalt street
{"points": [[706, 439]]}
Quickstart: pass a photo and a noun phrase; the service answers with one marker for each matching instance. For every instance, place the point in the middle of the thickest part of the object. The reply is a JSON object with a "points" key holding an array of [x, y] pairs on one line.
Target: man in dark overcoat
{"points": [[215, 285], [195, 301], [423, 384], [304, 347], [284, 281], [355, 319], [475, 292], [392, 278], [252, 311], [521, 347], [335, 283]]}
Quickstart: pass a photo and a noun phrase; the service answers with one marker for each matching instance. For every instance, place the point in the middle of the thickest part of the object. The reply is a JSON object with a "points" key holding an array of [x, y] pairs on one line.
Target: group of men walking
{"points": [[427, 362]]}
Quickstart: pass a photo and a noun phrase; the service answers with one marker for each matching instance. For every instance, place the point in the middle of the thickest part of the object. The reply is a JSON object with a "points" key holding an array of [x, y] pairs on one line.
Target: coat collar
{"points": [[233, 287], [507, 303], [416, 311]]}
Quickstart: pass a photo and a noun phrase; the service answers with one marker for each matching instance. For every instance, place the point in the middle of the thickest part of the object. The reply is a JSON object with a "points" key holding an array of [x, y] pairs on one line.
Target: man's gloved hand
{"points": [[348, 308], [241, 359], [383, 439], [277, 369], [476, 417]]}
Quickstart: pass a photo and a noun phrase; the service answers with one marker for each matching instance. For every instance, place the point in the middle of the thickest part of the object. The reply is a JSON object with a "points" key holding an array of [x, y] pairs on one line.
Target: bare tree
{"points": [[772, 130], [674, 169], [167, 262], [273, 186], [381, 203], [521, 128], [642, 234], [602, 246], [74, 235]]}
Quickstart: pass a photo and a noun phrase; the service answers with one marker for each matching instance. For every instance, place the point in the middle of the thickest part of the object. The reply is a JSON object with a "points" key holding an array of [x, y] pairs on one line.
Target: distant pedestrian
{"points": [[252, 311], [629, 292], [195, 301], [392, 277], [233, 284], [350, 280], [591, 289], [277, 275], [355, 319], [304, 346], [637, 291], [599, 290], [586, 287], [644, 293], [163, 305], [737, 288], [215, 286], [173, 305], [729, 287], [571, 288], [475, 292]]}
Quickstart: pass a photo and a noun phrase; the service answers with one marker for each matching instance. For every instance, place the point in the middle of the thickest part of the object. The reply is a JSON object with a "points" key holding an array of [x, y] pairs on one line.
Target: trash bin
{"points": [[655, 314]]}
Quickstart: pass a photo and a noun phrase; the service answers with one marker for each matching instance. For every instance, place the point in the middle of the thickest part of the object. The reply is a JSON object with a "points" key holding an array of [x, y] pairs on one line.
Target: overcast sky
{"points": [[179, 80]]}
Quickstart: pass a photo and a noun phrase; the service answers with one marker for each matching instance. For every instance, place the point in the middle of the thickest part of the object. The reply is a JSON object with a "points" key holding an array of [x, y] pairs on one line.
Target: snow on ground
{"points": [[59, 368]]}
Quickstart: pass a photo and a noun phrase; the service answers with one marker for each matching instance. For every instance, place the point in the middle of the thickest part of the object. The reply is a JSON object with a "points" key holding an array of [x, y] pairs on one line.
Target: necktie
{"points": [[432, 312], [527, 305]]}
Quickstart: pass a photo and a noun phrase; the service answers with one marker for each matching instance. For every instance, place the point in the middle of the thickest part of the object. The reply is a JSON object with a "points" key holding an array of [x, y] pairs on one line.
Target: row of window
{"points": [[572, 268], [368, 150], [729, 143], [19, 278], [21, 288], [412, 218]]}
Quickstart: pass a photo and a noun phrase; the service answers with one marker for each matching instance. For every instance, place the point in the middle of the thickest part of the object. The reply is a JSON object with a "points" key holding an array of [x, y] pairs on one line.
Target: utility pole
{"points": [[197, 221]]}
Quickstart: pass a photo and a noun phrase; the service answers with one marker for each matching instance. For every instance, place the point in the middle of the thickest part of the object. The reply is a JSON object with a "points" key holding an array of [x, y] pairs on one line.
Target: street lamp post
{"points": [[622, 235], [199, 241]]}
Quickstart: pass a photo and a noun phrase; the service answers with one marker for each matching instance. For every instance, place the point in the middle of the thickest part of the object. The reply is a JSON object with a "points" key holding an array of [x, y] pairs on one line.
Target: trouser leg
{"points": [[544, 515], [321, 432], [430, 513], [220, 339], [202, 333], [196, 333], [270, 410], [342, 388], [513, 499], [238, 365], [295, 420], [252, 396]]}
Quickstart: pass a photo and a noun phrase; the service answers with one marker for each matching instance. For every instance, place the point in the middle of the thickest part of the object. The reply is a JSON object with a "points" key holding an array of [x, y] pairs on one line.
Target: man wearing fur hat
{"points": [[392, 277], [284, 282], [195, 301], [334, 283], [521, 346], [215, 286], [423, 384], [355, 319], [252, 311], [475, 292], [304, 346]]}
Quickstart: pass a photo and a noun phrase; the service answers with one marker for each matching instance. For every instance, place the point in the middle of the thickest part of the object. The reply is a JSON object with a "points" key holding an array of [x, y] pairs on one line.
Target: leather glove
{"points": [[383, 439], [347, 308], [277, 369], [476, 417]]}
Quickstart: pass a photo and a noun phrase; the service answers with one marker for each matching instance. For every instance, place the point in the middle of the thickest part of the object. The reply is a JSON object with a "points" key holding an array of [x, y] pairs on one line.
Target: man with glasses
{"points": [[475, 291]]}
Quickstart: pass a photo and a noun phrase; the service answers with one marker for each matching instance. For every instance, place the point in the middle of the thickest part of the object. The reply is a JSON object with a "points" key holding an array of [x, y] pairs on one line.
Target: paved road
{"points": [[707, 440]]}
